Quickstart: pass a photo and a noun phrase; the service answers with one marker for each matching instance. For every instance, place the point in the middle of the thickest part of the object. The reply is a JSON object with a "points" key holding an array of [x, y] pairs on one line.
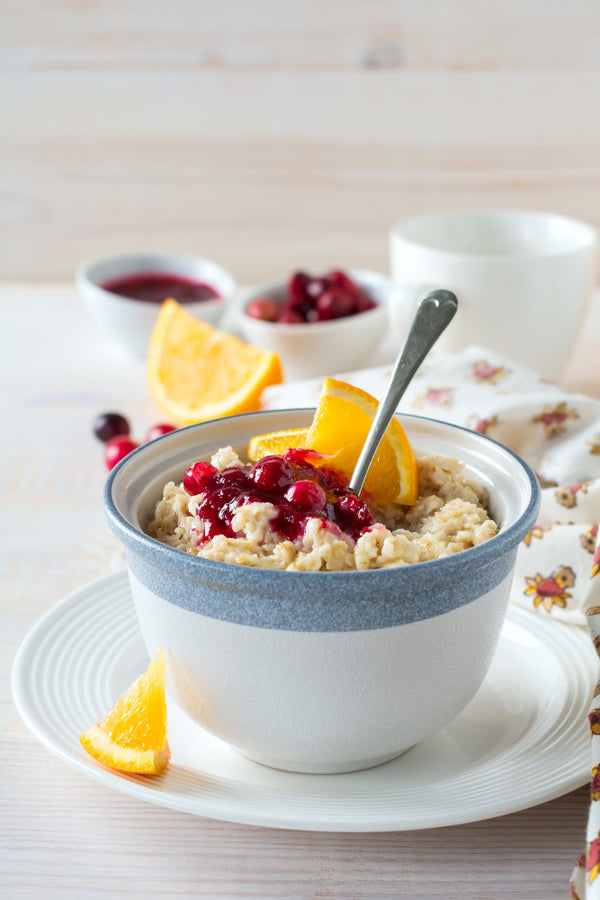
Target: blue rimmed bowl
{"points": [[329, 671]]}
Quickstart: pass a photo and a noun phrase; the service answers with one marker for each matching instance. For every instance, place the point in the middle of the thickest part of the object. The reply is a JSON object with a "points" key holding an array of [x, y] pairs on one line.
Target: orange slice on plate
{"points": [[196, 372], [133, 735], [275, 443]]}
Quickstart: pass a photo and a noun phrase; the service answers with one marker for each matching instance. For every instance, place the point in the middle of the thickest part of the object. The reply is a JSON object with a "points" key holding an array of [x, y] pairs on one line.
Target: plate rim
{"points": [[139, 788]]}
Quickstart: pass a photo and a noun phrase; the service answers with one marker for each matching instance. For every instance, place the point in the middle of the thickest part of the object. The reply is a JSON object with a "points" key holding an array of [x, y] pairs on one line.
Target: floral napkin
{"points": [[558, 565]]}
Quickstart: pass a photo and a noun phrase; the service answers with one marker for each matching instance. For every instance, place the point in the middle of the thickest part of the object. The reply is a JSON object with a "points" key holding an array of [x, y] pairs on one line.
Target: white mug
{"points": [[523, 280]]}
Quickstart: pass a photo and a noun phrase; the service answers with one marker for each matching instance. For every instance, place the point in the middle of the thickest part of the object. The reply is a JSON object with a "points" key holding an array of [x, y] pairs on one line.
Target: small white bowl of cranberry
{"points": [[319, 324], [124, 293]]}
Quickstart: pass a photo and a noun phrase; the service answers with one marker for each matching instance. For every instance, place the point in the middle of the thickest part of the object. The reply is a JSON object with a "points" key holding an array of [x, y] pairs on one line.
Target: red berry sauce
{"points": [[298, 490], [154, 287]]}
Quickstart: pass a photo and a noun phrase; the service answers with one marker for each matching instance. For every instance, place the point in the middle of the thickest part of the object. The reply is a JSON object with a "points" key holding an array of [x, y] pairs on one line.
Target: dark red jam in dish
{"points": [[313, 299], [298, 490], [154, 287]]}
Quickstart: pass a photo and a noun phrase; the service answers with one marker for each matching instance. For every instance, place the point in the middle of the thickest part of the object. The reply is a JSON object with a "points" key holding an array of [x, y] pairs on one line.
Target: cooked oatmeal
{"points": [[317, 527]]}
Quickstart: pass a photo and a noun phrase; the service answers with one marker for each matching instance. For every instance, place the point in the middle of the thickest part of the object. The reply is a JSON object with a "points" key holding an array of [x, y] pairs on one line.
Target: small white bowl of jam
{"points": [[124, 293]]}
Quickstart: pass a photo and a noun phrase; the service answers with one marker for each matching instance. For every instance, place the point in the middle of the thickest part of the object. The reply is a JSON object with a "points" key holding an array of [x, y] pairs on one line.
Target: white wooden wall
{"points": [[270, 134]]}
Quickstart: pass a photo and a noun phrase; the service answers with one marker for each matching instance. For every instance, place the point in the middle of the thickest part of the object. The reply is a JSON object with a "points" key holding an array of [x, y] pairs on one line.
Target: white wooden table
{"points": [[63, 835]]}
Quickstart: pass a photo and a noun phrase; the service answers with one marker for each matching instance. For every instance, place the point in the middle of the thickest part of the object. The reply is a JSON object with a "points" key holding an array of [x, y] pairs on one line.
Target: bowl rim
{"points": [[400, 232], [85, 266], [433, 571]]}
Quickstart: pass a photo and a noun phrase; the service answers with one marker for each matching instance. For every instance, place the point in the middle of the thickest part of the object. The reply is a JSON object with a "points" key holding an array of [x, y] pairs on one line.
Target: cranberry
{"points": [[350, 504], [198, 477], [335, 304], [363, 303], [221, 497], [158, 431], [205, 510], [249, 497], [313, 299], [339, 279], [110, 425], [297, 288], [117, 449], [300, 459], [328, 478], [299, 455], [263, 308], [214, 526], [353, 515], [307, 495], [291, 521], [315, 288], [290, 317], [217, 508], [239, 478], [271, 473]]}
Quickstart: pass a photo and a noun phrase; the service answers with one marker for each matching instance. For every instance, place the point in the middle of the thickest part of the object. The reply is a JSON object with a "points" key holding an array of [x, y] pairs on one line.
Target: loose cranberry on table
{"points": [[158, 431], [117, 449], [113, 429], [110, 425], [313, 299]]}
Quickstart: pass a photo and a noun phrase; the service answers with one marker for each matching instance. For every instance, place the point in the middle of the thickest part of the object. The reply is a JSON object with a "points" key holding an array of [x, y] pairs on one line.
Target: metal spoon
{"points": [[434, 313]]}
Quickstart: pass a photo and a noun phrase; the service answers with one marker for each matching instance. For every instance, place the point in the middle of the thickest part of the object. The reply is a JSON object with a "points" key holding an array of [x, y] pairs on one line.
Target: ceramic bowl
{"points": [[320, 672], [321, 348], [129, 323]]}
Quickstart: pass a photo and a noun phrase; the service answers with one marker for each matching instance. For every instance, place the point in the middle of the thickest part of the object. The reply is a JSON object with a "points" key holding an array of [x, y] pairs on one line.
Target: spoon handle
{"points": [[434, 313]]}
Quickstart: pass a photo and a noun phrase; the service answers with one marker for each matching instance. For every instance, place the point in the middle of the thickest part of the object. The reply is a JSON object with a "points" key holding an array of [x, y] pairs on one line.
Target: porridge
{"points": [[283, 512]]}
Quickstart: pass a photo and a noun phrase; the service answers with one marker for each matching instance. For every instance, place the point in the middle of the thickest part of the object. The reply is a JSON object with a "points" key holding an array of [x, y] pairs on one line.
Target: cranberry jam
{"points": [[154, 287], [298, 490]]}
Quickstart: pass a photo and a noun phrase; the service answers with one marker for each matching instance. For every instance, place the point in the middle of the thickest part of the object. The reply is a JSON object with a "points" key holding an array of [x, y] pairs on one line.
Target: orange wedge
{"points": [[340, 426], [275, 443], [196, 372], [133, 735]]}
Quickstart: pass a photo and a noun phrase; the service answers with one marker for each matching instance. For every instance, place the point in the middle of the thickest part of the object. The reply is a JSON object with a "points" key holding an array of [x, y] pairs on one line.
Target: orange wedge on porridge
{"points": [[275, 443], [133, 735], [339, 429], [196, 372]]}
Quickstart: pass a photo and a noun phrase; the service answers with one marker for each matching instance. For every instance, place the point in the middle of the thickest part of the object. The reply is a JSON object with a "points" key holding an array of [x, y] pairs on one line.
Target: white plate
{"points": [[522, 740]]}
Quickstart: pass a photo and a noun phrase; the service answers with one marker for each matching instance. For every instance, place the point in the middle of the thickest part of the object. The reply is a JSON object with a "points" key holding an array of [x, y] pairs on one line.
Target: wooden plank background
{"points": [[268, 135]]}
